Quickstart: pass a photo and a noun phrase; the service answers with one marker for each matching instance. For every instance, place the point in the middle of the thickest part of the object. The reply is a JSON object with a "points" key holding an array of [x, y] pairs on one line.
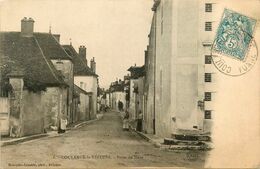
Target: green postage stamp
{"points": [[234, 51]]}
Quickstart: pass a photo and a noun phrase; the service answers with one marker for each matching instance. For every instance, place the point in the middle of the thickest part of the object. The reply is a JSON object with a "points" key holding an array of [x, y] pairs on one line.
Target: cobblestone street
{"points": [[100, 144]]}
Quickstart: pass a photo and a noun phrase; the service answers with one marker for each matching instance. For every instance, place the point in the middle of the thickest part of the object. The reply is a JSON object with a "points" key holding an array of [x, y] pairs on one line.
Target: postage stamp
{"points": [[234, 51]]}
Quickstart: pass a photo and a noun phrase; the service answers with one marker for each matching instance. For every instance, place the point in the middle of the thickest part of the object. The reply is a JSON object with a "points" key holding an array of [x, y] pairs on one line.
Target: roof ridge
{"points": [[46, 60]]}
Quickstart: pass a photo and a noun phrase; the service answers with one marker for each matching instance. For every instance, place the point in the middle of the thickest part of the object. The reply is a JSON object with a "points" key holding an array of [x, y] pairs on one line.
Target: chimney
{"points": [[83, 53], [27, 27], [93, 65]]}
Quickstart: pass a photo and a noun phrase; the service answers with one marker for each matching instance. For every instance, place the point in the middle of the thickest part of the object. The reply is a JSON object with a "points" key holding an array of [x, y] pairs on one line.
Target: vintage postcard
{"points": [[129, 84]]}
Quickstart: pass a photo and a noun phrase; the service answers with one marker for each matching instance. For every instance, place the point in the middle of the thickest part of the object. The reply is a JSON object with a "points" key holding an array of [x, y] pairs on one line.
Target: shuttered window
{"points": [[207, 59], [208, 26], [207, 77], [207, 114], [208, 7], [207, 96]]}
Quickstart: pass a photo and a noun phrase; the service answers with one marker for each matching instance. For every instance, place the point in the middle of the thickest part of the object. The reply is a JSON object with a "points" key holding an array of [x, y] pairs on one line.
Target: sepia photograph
{"points": [[129, 84]]}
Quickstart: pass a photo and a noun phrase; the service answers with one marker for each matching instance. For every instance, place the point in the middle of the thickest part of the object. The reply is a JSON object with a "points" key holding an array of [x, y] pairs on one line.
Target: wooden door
{"points": [[4, 115]]}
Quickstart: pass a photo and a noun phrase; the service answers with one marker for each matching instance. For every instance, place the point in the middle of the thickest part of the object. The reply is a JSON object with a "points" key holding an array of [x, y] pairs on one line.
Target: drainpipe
{"points": [[155, 25]]}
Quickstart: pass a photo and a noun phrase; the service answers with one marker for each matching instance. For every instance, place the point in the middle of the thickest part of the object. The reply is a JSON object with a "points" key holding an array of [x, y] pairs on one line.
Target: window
{"points": [[208, 7], [208, 26], [207, 59], [207, 77], [81, 85], [207, 114], [207, 96]]}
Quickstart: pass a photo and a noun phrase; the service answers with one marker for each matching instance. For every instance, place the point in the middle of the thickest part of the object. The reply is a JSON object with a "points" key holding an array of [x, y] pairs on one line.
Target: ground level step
{"points": [[191, 137]]}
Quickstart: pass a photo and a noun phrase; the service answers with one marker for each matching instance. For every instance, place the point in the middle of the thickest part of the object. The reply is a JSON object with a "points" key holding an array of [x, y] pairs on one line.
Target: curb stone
{"points": [[86, 122], [22, 139], [170, 147], [52, 134], [156, 144]]}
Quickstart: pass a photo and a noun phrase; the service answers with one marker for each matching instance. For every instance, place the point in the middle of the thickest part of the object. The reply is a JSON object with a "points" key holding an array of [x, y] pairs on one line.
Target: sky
{"points": [[115, 32]]}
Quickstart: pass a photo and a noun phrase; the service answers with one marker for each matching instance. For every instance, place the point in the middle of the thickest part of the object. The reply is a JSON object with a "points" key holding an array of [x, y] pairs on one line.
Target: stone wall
{"points": [[32, 113], [84, 112], [54, 101], [67, 71], [89, 84], [16, 107], [149, 82], [132, 102]]}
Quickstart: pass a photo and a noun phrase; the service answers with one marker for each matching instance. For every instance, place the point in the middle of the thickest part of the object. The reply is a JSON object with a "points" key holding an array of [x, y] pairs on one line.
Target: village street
{"points": [[99, 144]]}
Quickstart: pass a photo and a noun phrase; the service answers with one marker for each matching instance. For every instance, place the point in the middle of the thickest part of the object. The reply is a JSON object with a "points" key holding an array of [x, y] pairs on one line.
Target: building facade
{"points": [[149, 88], [179, 65], [85, 77], [117, 95], [37, 91], [136, 91]]}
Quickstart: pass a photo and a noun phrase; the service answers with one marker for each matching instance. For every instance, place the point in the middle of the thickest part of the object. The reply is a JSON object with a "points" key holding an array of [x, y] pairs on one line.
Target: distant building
{"points": [[117, 95], [82, 104], [136, 91]]}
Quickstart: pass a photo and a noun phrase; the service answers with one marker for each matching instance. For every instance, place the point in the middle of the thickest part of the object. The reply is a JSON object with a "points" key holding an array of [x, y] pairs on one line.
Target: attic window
{"points": [[59, 65]]}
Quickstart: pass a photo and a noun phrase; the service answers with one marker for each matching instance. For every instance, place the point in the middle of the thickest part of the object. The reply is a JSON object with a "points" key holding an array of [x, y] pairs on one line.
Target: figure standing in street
{"points": [[120, 106], [62, 124], [139, 121], [126, 121]]}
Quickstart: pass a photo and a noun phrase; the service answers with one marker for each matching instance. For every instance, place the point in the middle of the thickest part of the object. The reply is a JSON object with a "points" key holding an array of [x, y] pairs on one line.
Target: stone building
{"points": [[117, 94], [37, 94], [136, 91], [149, 88], [179, 73], [85, 77], [82, 104], [52, 49]]}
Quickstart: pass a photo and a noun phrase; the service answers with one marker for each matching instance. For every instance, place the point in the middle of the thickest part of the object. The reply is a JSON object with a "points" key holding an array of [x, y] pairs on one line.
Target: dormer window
{"points": [[59, 65]]}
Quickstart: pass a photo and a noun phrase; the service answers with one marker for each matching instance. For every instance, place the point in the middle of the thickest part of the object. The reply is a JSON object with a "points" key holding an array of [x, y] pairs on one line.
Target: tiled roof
{"points": [[79, 90], [136, 71], [51, 47], [80, 66], [117, 86], [28, 54]]}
